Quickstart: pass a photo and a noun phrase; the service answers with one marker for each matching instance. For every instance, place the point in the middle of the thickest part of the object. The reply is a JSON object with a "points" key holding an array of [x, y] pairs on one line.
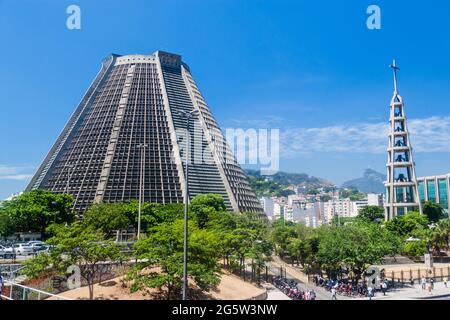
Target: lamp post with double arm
{"points": [[187, 117]]}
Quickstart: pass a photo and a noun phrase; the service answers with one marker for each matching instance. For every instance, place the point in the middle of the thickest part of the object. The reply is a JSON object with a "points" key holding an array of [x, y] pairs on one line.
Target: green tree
{"points": [[353, 247], [152, 214], [415, 248], [443, 229], [340, 221], [433, 211], [107, 217], [351, 193], [160, 257], [203, 206], [281, 235], [80, 246], [408, 225], [6, 225], [437, 237], [371, 213], [35, 210]]}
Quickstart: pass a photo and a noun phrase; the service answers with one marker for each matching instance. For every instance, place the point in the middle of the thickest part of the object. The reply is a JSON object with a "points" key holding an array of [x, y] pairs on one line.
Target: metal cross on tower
{"points": [[395, 69]]}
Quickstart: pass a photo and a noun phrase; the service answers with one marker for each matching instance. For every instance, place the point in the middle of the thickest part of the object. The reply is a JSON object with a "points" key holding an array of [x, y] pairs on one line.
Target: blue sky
{"points": [[310, 68]]}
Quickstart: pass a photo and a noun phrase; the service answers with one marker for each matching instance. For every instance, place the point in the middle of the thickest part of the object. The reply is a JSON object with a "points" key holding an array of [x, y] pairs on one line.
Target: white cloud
{"points": [[19, 177], [263, 122], [14, 173], [427, 135]]}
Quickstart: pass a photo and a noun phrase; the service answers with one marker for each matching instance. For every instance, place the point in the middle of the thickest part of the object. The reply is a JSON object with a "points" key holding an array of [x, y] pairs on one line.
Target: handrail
{"points": [[30, 289]]}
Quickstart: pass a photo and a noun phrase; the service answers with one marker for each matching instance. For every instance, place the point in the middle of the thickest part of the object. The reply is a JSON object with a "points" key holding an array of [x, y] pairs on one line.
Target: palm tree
{"points": [[443, 229], [438, 236]]}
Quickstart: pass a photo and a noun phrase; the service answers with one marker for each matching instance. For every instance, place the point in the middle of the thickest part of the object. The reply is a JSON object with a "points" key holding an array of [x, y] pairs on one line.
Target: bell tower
{"points": [[401, 185]]}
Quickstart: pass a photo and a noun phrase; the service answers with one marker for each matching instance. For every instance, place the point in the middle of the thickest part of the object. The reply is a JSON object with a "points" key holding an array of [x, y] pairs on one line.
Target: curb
{"points": [[432, 296]]}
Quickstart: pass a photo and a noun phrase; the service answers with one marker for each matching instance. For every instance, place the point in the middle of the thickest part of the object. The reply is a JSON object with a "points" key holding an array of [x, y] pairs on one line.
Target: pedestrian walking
{"points": [[432, 283], [370, 292], [429, 286], [333, 293], [445, 281], [384, 288], [424, 283], [1, 285], [312, 295]]}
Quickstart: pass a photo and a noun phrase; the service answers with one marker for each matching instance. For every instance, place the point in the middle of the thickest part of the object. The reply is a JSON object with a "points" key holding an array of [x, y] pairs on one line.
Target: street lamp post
{"points": [[188, 116], [238, 197], [142, 147]]}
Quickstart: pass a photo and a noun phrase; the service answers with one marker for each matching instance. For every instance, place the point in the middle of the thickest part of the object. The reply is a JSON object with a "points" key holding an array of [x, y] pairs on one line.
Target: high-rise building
{"points": [[267, 204], [126, 139], [435, 189], [279, 210], [375, 199], [342, 208], [401, 184]]}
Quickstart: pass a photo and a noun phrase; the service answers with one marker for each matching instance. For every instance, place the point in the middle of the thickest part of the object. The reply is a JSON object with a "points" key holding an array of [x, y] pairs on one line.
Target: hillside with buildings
{"points": [[310, 200], [284, 183]]}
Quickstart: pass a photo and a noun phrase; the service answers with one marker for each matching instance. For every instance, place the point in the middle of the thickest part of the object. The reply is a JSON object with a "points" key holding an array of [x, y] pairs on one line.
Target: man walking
{"points": [[1, 285], [333, 293], [384, 287], [445, 281], [370, 292]]}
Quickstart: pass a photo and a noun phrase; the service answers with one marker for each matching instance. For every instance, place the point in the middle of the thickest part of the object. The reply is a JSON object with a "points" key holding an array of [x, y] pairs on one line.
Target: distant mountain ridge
{"points": [[371, 182]]}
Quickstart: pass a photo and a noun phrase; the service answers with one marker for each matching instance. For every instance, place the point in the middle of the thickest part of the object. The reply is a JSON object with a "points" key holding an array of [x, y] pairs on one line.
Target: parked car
{"points": [[6, 252], [2, 251], [23, 249], [35, 242], [37, 246]]}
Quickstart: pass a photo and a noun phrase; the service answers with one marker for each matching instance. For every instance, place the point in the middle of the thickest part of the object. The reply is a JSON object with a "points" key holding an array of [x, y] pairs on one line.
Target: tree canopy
{"points": [[433, 211], [79, 246], [371, 213], [203, 206], [34, 211], [161, 255]]}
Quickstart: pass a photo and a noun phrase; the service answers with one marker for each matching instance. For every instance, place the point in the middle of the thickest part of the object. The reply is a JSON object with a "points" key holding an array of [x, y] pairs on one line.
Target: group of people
{"points": [[346, 288], [428, 283], [309, 295], [296, 294]]}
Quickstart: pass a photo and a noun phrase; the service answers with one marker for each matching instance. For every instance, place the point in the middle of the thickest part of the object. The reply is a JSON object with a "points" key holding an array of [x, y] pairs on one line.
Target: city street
{"points": [[273, 293]]}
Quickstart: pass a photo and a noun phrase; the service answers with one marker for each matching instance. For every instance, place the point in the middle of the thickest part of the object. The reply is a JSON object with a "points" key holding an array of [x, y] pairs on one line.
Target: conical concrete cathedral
{"points": [[126, 140]]}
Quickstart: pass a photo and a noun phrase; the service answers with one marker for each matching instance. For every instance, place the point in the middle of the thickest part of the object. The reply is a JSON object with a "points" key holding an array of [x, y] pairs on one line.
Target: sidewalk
{"points": [[414, 293], [406, 293], [273, 293]]}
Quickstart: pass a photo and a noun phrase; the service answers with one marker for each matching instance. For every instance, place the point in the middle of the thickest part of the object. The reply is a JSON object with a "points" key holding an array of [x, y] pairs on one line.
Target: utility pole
{"points": [[188, 116]]}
